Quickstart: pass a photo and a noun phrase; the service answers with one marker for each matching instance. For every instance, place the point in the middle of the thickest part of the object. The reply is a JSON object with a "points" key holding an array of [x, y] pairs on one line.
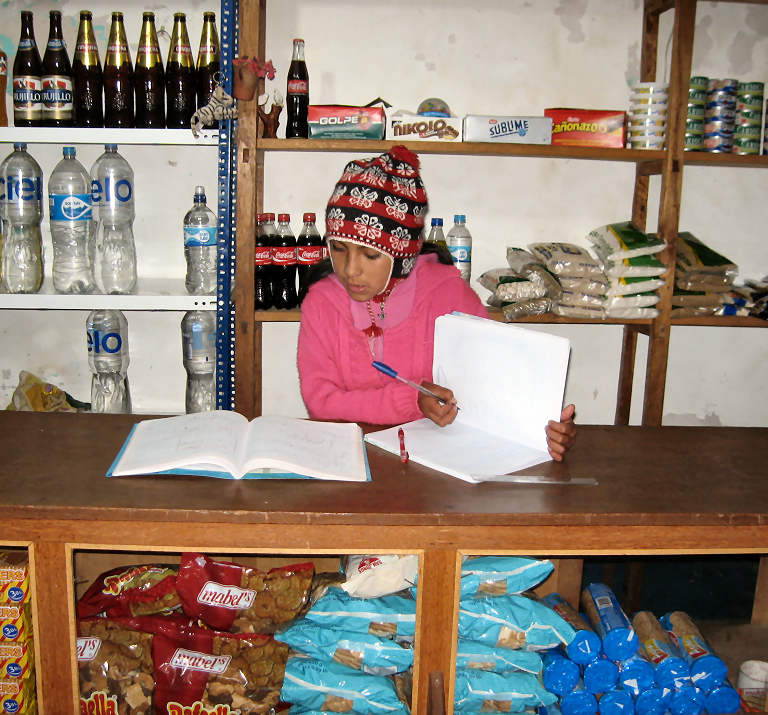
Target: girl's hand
{"points": [[441, 415], [561, 435]]}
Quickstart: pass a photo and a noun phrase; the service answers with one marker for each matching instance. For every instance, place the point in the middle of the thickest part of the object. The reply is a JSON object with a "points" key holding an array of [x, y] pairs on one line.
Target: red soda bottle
{"points": [[262, 265], [297, 101], [309, 249], [284, 265]]}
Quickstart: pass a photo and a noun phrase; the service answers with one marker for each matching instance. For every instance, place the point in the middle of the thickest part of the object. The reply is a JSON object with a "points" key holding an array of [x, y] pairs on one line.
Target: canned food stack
{"points": [[647, 116], [694, 120], [720, 115], [749, 118]]}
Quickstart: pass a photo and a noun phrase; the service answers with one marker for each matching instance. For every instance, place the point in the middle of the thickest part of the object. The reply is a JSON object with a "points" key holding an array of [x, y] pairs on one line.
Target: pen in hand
{"points": [[387, 370]]}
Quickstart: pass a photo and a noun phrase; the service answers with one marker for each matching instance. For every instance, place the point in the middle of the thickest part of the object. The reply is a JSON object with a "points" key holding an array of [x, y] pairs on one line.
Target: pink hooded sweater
{"points": [[337, 379]]}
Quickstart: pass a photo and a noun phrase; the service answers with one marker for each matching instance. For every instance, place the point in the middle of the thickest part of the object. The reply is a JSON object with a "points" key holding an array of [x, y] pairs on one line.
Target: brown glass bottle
{"points": [[27, 77], [297, 101], [180, 81], [3, 85], [118, 77], [87, 79], [208, 61], [149, 77], [57, 78]]}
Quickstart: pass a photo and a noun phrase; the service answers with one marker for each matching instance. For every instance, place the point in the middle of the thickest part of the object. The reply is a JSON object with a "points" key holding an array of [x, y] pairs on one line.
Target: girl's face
{"points": [[363, 271]]}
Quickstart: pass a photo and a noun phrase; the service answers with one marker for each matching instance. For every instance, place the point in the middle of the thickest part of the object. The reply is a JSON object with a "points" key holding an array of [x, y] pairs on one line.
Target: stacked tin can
{"points": [[694, 120], [647, 116], [720, 115], [749, 118]]}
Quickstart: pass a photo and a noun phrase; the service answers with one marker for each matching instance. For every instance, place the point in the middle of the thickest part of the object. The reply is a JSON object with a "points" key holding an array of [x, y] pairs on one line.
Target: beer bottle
{"points": [[118, 77], [27, 78], [207, 61], [297, 101], [87, 79], [3, 85], [57, 78], [149, 77], [180, 84]]}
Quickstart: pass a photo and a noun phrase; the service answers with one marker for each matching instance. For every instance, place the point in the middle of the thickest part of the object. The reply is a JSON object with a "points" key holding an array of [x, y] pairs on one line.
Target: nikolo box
{"points": [[507, 130], [336, 121]]}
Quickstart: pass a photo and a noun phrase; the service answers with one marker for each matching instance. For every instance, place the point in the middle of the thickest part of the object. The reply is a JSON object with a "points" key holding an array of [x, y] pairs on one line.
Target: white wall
{"points": [[483, 57]]}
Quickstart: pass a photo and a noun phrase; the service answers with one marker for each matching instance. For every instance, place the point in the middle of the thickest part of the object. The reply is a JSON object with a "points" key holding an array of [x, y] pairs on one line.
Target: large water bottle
{"points": [[200, 246], [198, 337], [21, 211], [108, 359], [114, 210], [72, 226], [459, 241]]}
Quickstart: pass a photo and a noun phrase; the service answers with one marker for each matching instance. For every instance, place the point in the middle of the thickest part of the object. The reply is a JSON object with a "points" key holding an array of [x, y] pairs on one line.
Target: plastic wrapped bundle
{"points": [[699, 268]]}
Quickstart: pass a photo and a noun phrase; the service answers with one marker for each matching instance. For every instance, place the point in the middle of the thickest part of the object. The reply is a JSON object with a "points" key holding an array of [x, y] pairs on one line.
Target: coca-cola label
{"points": [[222, 596], [309, 255], [298, 86], [74, 207], [262, 256], [200, 235], [192, 660], [28, 98], [87, 648], [57, 97], [284, 255]]}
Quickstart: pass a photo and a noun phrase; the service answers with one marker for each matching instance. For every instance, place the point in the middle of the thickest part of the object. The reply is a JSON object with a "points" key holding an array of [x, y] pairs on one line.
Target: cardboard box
{"points": [[336, 121], [587, 127], [507, 130], [415, 127], [15, 621], [14, 576]]}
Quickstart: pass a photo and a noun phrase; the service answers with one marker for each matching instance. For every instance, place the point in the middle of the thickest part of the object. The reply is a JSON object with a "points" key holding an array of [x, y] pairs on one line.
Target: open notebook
{"points": [[509, 382]]}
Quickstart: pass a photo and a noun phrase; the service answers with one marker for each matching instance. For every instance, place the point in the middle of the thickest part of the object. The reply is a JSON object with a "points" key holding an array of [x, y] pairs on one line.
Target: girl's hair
{"points": [[325, 267]]}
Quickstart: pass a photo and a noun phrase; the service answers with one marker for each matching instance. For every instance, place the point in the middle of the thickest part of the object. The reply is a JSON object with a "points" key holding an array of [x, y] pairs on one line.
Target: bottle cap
{"points": [[261, 218], [284, 218], [270, 217], [110, 147], [310, 218], [437, 222], [459, 217], [199, 189], [69, 151], [298, 39], [20, 146]]}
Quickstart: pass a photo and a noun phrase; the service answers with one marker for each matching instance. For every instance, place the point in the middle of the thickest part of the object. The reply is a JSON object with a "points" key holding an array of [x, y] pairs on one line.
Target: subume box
{"points": [[336, 121], [507, 130], [416, 127], [587, 127]]}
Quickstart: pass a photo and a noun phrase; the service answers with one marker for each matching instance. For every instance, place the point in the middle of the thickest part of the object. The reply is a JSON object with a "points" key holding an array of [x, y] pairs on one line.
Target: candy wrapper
{"points": [[380, 575]]}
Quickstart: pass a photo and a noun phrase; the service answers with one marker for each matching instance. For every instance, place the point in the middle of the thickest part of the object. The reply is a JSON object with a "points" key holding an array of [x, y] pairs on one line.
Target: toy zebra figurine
{"points": [[221, 106]]}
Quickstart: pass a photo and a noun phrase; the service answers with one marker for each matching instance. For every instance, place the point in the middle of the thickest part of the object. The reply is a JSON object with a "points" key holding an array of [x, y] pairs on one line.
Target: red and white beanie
{"points": [[381, 203]]}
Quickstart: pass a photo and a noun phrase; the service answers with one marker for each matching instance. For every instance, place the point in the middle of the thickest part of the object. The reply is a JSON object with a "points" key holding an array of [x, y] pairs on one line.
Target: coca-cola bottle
{"points": [[57, 78], [87, 78], [149, 77], [284, 265], [27, 77], [118, 77], [180, 81], [309, 249], [297, 101], [262, 265], [208, 62]]}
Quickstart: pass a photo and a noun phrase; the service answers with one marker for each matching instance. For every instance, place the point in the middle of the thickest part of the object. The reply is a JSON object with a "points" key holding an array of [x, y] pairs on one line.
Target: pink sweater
{"points": [[337, 379]]}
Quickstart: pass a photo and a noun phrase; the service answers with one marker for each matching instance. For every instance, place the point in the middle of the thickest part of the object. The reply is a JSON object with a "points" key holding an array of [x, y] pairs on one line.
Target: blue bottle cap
{"points": [[69, 152], [437, 222], [20, 146], [459, 217]]}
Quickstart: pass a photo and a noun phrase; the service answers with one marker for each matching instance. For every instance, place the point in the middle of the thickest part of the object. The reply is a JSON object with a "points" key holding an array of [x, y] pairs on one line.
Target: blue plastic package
{"points": [[578, 702], [636, 674], [609, 621], [470, 654], [688, 700], [600, 675], [671, 671], [616, 702], [724, 699], [502, 575], [514, 622], [561, 674], [477, 690], [586, 645], [654, 701]]}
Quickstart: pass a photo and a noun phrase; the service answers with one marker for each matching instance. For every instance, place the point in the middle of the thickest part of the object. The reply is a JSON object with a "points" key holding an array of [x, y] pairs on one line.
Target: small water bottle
{"points": [[198, 337], [21, 211], [436, 234], [114, 210], [459, 241], [200, 247], [72, 226], [108, 359]]}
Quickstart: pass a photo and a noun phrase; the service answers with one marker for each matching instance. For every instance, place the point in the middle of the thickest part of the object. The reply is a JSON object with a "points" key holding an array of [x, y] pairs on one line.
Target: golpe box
{"points": [[336, 121], [587, 127], [507, 130]]}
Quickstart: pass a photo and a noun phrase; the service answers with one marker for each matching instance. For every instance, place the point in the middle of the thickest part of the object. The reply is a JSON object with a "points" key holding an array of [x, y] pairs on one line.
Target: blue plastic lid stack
{"points": [[654, 701], [579, 702], [671, 671], [600, 676], [609, 621], [636, 674], [616, 702], [561, 675], [586, 646], [688, 700], [723, 699]]}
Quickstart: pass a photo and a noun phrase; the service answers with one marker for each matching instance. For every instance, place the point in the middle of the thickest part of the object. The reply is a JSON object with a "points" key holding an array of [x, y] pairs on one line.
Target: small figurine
{"points": [[270, 121], [221, 106]]}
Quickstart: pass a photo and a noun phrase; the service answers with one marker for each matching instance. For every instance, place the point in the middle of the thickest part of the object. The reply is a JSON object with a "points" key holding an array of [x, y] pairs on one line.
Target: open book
{"points": [[224, 444], [508, 381]]}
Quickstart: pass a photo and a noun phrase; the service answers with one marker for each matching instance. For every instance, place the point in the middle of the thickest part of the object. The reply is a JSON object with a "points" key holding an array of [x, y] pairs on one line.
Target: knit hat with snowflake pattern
{"points": [[381, 203]]}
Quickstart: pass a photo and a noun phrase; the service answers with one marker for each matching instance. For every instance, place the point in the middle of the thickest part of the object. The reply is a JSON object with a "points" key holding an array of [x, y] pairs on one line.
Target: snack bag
{"points": [[372, 576], [566, 259], [483, 691], [499, 660], [501, 575], [131, 591], [231, 597]]}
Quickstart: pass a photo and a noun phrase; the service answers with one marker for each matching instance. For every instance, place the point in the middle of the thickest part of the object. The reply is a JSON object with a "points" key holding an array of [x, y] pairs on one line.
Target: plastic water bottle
{"points": [[21, 211], [200, 246], [72, 226], [114, 210], [459, 241], [436, 234], [108, 359], [198, 337]]}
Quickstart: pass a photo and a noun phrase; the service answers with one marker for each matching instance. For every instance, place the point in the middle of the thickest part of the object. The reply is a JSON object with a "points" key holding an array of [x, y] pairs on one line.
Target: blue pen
{"points": [[387, 370]]}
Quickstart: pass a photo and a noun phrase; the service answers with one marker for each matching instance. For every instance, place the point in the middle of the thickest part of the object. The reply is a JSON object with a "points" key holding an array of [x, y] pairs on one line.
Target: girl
{"points": [[378, 299]]}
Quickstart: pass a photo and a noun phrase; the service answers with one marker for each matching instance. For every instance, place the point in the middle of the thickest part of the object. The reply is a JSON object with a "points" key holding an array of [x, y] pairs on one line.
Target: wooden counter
{"points": [[677, 490]]}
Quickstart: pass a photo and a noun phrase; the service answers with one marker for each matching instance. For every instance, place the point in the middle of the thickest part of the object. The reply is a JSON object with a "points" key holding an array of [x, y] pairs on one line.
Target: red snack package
{"points": [[131, 591], [230, 597]]}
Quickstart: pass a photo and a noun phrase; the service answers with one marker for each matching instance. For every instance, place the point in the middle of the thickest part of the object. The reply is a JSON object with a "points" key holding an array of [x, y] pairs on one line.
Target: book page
{"points": [[324, 450], [205, 440]]}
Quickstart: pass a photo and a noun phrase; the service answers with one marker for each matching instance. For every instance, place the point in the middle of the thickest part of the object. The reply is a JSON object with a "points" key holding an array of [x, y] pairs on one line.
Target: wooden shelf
{"points": [[703, 158]]}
